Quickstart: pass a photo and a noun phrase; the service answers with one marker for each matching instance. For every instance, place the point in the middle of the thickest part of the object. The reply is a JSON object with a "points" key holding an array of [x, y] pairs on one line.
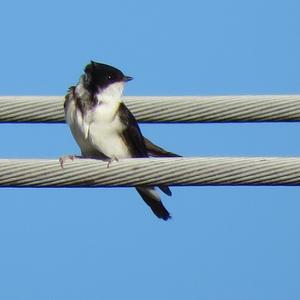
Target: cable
{"points": [[150, 171], [49, 109]]}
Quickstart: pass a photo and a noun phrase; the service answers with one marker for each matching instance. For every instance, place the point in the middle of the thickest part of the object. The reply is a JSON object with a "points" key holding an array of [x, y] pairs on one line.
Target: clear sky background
{"points": [[223, 242]]}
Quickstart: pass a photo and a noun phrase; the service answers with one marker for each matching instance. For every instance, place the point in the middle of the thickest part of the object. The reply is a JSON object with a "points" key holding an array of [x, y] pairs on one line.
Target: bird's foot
{"points": [[110, 160], [63, 159]]}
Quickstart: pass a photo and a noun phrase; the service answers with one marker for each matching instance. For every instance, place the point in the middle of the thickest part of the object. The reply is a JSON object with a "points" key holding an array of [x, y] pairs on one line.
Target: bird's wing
{"points": [[156, 151], [132, 134], [140, 146], [69, 97], [136, 144]]}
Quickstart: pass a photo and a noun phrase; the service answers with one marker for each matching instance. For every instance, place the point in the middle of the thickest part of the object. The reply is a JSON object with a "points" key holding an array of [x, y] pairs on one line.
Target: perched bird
{"points": [[104, 128]]}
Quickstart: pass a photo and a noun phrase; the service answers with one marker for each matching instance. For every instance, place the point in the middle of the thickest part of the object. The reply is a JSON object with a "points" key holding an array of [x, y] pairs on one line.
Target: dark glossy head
{"points": [[99, 76]]}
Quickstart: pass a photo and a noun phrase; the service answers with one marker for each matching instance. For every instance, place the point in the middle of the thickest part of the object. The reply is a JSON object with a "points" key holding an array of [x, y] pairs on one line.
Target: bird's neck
{"points": [[111, 94]]}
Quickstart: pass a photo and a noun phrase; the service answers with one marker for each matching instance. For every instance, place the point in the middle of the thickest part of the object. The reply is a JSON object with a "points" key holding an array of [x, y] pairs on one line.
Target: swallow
{"points": [[104, 128]]}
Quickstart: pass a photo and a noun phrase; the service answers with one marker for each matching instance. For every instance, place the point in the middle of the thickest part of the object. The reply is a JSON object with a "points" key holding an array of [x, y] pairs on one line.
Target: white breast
{"points": [[99, 130], [105, 131]]}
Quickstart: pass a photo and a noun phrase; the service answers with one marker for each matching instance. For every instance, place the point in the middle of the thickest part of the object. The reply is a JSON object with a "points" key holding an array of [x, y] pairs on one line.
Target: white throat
{"points": [[111, 94]]}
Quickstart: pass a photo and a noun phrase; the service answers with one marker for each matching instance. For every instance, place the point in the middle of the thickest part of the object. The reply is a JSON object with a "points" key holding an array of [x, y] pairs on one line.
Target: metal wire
{"points": [[165, 109], [151, 171]]}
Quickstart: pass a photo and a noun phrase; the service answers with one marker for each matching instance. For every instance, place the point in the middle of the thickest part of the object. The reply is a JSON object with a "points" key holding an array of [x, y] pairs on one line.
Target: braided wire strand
{"points": [[194, 171], [264, 108]]}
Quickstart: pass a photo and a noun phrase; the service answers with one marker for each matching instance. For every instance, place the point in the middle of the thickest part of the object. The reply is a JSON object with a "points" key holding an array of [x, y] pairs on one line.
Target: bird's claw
{"points": [[111, 160], [63, 159]]}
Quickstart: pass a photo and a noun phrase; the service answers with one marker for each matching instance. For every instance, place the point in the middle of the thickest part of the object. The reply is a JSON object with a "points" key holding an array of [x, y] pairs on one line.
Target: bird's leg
{"points": [[64, 158], [110, 160]]}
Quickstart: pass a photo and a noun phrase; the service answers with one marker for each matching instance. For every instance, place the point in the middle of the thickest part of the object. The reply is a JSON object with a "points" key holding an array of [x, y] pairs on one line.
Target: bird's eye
{"points": [[108, 76]]}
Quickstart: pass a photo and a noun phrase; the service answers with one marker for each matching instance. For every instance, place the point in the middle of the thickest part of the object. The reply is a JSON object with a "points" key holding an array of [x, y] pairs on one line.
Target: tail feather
{"points": [[151, 197], [165, 189]]}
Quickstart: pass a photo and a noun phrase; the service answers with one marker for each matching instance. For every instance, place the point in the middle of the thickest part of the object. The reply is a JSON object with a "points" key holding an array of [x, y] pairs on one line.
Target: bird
{"points": [[104, 128]]}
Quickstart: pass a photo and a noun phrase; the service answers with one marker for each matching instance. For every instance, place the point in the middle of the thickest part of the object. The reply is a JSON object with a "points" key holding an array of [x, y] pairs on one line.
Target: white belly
{"points": [[106, 136], [99, 131]]}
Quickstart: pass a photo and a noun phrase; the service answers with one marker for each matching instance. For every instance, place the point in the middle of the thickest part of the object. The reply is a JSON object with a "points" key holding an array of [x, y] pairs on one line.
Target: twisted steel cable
{"points": [[151, 171], [165, 109]]}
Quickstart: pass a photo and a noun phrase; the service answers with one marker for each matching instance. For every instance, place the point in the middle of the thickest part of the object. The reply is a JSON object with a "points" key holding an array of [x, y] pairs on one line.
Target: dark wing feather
{"points": [[136, 142], [156, 151], [132, 133], [69, 97]]}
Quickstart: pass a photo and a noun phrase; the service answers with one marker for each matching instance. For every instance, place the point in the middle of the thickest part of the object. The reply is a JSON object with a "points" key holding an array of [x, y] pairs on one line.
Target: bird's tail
{"points": [[151, 197]]}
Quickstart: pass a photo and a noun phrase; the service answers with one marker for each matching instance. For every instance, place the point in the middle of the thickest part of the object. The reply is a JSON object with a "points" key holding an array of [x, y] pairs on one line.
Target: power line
{"points": [[264, 108], [151, 171]]}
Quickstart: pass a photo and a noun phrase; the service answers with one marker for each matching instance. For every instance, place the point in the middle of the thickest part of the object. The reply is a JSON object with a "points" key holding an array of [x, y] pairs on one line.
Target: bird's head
{"points": [[99, 76]]}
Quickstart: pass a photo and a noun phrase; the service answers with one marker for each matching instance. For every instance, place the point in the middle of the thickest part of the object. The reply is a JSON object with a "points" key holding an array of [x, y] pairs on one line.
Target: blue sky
{"points": [[223, 242]]}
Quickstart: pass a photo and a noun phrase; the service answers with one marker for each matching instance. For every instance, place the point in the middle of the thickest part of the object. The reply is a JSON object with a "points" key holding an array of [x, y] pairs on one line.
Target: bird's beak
{"points": [[127, 78]]}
